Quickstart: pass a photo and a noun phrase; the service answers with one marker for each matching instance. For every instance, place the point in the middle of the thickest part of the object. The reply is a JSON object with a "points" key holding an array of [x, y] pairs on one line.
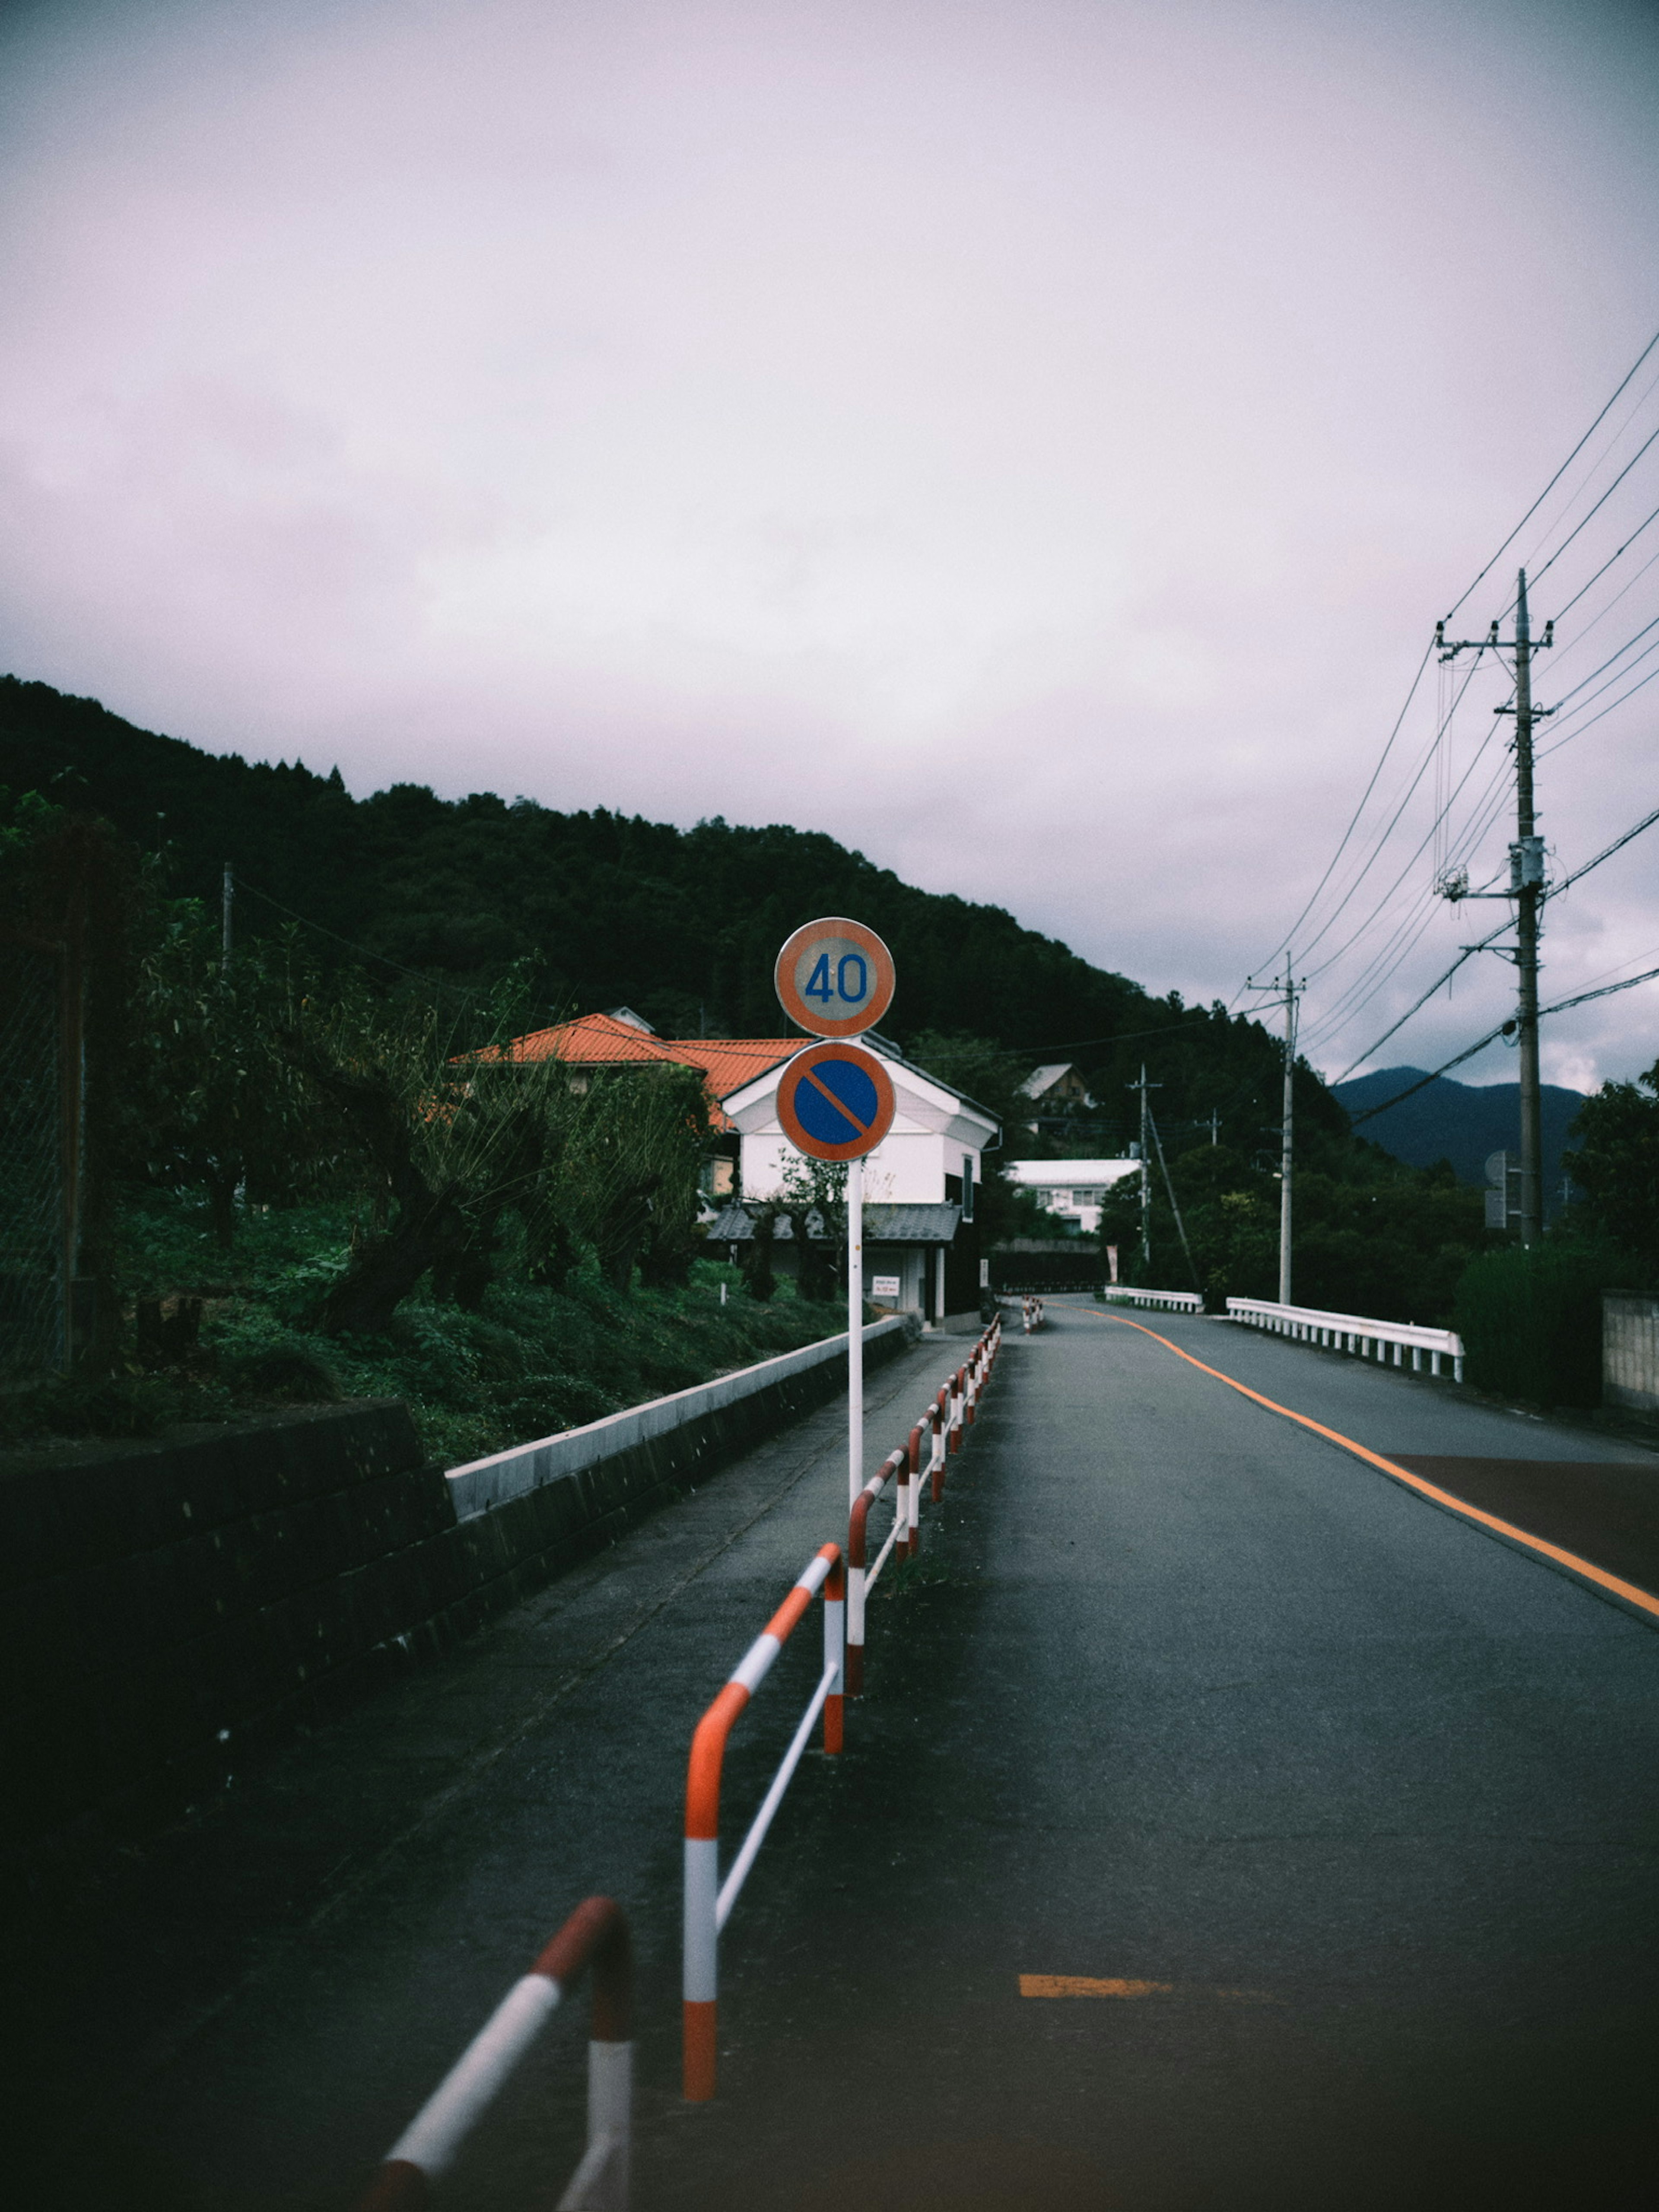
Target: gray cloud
{"points": [[1030, 444]]}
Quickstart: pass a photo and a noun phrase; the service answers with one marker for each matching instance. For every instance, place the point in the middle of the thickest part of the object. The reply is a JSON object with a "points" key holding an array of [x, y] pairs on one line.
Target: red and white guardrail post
{"points": [[708, 1901], [595, 1934], [861, 1575]]}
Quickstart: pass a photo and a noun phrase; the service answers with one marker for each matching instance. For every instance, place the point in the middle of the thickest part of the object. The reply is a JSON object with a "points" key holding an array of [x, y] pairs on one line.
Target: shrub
{"points": [[1530, 1319]]}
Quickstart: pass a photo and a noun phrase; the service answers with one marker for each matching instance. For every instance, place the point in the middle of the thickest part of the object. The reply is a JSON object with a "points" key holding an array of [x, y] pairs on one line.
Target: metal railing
{"points": [[1131, 1294], [708, 1900], [595, 1934], [1353, 1332]]}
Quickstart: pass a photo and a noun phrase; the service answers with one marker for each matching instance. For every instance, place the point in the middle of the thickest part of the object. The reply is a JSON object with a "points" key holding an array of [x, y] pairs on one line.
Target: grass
{"points": [[530, 1362]]}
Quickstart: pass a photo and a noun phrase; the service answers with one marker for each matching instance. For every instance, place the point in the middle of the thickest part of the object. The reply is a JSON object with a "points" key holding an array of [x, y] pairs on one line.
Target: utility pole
{"points": [[1287, 1149], [1143, 1087], [1291, 991], [1215, 1128], [226, 901], [1527, 889], [1527, 879]]}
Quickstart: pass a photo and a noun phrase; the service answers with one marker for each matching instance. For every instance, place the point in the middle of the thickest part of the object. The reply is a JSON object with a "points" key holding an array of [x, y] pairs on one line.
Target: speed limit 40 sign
{"points": [[835, 978]]}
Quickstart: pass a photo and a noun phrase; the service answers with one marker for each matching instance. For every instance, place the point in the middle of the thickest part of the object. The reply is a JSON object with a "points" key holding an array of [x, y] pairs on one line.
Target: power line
{"points": [[1556, 478], [1556, 889], [1610, 707], [1468, 953], [1358, 810], [1599, 505], [1561, 1006], [1607, 564], [350, 943], [1607, 853], [1411, 862], [1381, 844], [1607, 663]]}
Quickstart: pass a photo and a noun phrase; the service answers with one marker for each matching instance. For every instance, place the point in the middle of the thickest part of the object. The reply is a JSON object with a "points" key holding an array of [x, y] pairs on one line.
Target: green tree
{"points": [[1616, 1164]]}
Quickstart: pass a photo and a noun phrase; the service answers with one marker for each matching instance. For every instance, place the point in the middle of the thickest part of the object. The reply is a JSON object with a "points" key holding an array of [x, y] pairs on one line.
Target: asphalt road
{"points": [[1347, 1811]]}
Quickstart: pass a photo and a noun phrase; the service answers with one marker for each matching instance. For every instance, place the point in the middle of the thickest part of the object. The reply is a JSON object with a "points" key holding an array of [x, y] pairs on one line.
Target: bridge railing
{"points": [[1354, 1332], [1132, 1294]]}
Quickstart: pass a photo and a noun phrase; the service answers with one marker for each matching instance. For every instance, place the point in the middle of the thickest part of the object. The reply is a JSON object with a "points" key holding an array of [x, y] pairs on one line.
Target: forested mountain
{"points": [[681, 925], [1462, 1123]]}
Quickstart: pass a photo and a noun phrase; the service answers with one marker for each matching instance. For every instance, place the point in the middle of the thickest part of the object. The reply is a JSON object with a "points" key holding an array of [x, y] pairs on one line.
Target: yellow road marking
{"points": [[1643, 1600], [1094, 1985], [1087, 1985]]}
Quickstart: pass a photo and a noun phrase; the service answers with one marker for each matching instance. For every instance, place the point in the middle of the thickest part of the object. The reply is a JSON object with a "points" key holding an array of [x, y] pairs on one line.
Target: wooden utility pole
{"points": [[226, 901]]}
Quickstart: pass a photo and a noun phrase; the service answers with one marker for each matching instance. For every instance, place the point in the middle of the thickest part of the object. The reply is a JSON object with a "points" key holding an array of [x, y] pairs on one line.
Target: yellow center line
{"points": [[1094, 1985], [1643, 1600]]}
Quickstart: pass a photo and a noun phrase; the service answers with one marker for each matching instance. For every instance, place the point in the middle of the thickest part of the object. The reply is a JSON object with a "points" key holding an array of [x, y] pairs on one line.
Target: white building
{"points": [[1073, 1189], [921, 1248]]}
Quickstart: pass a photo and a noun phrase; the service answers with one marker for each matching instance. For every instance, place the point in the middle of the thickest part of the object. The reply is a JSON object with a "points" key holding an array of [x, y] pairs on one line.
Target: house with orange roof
{"points": [[623, 1038], [920, 1241]]}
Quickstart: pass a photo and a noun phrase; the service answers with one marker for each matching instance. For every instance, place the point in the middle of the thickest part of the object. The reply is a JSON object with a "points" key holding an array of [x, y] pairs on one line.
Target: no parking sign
{"points": [[836, 1101]]}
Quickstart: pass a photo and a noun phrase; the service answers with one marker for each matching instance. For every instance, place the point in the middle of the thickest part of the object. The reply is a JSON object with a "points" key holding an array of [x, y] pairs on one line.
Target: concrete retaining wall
{"points": [[1630, 1352], [690, 1416], [167, 1609]]}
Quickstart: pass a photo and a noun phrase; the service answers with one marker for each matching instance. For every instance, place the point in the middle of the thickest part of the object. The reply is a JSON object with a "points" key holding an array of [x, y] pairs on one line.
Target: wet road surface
{"points": [[1225, 1827]]}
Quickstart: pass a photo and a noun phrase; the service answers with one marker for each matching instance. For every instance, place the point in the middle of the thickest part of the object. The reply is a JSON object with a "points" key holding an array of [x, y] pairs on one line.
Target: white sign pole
{"points": [[854, 1330]]}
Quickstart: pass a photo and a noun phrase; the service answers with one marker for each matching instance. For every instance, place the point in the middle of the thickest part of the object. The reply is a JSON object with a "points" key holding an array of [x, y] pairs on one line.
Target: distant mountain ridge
{"points": [[1462, 1122]]}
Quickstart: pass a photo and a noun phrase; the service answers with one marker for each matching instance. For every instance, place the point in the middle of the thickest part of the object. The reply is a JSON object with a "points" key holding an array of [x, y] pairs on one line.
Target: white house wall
{"points": [[907, 1168], [934, 1130]]}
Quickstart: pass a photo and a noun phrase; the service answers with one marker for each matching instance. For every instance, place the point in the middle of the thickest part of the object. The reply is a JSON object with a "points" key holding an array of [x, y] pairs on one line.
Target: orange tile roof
{"points": [[729, 1062], [594, 1041], [597, 1040]]}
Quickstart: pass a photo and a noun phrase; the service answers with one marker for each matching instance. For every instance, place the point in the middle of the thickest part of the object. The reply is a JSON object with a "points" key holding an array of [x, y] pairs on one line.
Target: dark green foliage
{"points": [[1616, 1165], [1530, 1319], [1370, 1236], [682, 925], [528, 1361]]}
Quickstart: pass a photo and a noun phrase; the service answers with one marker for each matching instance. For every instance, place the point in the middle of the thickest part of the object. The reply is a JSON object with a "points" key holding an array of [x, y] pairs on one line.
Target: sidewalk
{"points": [[257, 2003]]}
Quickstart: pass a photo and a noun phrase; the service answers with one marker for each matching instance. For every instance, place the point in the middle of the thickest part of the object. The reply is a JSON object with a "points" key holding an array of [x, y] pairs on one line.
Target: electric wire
{"points": [[1412, 861], [350, 943], [1554, 891], [1561, 1006], [1290, 935], [1562, 612], [1486, 807], [1607, 662], [1558, 518], [1381, 843], [1611, 706], [1543, 572], [1628, 378]]}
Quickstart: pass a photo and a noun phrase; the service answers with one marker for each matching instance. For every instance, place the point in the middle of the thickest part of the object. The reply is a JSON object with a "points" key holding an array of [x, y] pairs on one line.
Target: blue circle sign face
{"points": [[836, 1101]]}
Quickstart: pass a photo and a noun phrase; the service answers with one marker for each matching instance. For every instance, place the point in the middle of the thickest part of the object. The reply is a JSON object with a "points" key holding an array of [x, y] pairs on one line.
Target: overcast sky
{"points": [[1031, 442]]}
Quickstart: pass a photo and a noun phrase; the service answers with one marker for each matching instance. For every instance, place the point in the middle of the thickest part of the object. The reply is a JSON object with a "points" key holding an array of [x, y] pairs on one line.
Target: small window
{"points": [[953, 1190]]}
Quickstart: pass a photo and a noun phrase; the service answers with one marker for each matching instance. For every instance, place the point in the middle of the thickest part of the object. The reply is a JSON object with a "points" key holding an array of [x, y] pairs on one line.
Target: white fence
{"points": [[1131, 1294], [1371, 1340]]}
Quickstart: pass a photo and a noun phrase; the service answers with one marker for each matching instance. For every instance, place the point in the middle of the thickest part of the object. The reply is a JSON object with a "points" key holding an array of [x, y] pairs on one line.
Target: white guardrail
{"points": [[1370, 1340], [1131, 1294]]}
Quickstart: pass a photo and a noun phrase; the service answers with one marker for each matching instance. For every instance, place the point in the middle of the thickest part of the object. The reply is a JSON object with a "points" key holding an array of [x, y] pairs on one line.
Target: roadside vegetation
{"points": [[303, 1189]]}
